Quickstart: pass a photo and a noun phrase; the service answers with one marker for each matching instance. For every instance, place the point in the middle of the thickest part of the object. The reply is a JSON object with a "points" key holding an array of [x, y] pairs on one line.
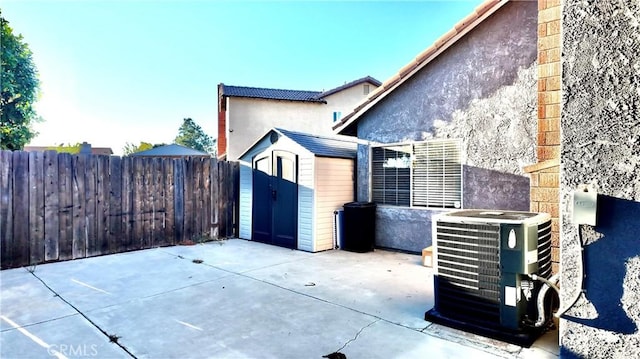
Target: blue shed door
{"points": [[275, 199]]}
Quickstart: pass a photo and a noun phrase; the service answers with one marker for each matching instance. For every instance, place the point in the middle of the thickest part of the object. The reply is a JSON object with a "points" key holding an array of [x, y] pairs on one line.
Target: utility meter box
{"points": [[585, 203]]}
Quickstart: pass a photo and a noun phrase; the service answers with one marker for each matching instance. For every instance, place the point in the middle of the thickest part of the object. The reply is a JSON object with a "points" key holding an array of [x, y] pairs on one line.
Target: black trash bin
{"points": [[359, 226]]}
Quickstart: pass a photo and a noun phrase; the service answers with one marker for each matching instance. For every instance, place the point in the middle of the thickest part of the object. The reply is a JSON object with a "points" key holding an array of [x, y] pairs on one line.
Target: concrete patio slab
{"points": [[25, 300], [239, 299], [108, 280], [68, 337]]}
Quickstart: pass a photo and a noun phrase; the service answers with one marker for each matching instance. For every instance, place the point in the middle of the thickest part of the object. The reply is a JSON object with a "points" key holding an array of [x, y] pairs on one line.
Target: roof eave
{"points": [[278, 99], [443, 43]]}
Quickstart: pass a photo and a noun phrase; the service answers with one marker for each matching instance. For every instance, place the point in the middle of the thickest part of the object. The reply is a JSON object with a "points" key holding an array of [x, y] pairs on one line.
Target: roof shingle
{"points": [[271, 94], [323, 146]]}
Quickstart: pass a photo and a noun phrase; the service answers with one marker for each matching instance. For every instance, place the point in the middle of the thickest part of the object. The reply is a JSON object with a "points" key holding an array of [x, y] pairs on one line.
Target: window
{"points": [[337, 115], [366, 89], [421, 174]]}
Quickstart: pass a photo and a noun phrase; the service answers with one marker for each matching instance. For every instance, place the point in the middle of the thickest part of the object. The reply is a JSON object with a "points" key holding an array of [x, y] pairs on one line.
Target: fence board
{"points": [[215, 190], [65, 210], [127, 204], [206, 198], [159, 238], [137, 201], [58, 206], [222, 194], [102, 204], [79, 246], [168, 215], [197, 198], [178, 204], [51, 218], [36, 207], [20, 240], [114, 233], [188, 199], [91, 206], [6, 208], [146, 204]]}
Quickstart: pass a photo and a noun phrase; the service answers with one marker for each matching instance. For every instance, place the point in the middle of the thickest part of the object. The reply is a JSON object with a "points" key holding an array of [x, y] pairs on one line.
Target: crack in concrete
{"points": [[357, 335], [40, 322], [427, 327], [109, 336]]}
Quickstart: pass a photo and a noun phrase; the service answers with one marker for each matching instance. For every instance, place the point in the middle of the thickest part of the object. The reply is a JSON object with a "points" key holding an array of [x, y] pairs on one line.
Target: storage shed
{"points": [[290, 185]]}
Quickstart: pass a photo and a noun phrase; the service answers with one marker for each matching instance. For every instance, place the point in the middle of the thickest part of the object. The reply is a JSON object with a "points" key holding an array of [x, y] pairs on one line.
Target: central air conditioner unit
{"points": [[484, 262]]}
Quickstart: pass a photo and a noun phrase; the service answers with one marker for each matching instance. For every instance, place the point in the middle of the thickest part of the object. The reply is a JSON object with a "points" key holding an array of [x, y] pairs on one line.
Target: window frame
{"points": [[458, 161]]}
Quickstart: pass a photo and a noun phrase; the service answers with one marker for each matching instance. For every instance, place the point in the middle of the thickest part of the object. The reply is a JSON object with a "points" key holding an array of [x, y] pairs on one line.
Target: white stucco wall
{"points": [[248, 119]]}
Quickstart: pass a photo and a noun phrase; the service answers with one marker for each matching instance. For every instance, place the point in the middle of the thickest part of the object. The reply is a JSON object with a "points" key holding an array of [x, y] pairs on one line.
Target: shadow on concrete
{"points": [[605, 263]]}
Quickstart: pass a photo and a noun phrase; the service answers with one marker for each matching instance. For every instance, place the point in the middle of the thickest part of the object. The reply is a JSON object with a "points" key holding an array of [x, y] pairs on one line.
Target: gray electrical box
{"points": [[584, 206]]}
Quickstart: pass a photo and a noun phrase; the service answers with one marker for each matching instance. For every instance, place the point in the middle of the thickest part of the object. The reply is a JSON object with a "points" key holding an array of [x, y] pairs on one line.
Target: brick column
{"points": [[222, 123], [545, 175]]}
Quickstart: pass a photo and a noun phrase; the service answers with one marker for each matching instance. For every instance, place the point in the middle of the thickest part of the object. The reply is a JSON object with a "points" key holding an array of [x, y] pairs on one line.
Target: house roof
{"points": [[172, 150], [271, 94], [290, 95], [351, 84], [464, 26], [323, 146]]}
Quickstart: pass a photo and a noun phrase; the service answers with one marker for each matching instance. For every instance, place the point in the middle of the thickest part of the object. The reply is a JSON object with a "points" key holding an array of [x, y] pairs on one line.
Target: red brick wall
{"points": [[545, 175], [222, 123]]}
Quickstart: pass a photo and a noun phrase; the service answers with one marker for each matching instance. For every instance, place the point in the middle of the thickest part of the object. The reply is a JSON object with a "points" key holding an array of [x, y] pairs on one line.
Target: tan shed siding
{"points": [[334, 187], [246, 190], [305, 203]]}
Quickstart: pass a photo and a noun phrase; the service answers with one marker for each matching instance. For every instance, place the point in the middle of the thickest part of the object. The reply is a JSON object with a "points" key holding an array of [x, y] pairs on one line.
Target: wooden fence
{"points": [[59, 206]]}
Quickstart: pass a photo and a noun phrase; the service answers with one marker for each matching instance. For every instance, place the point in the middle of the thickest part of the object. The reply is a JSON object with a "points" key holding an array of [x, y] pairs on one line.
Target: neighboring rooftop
{"points": [[351, 84], [271, 94], [172, 150], [290, 95], [94, 150]]}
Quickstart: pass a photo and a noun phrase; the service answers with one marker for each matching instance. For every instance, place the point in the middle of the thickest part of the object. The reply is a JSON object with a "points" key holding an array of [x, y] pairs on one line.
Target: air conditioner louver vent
{"points": [[468, 265], [544, 249]]}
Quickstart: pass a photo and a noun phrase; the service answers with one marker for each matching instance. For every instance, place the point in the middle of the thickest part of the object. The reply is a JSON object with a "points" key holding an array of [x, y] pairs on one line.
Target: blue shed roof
{"points": [[323, 146]]}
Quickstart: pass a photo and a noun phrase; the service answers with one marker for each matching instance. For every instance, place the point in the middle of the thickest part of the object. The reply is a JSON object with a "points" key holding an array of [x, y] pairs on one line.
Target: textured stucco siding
{"points": [[601, 148], [482, 90]]}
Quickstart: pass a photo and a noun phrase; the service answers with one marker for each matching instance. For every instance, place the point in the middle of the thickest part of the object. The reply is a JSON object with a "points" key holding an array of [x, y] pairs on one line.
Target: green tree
{"points": [[20, 84], [69, 148], [130, 148], [191, 135]]}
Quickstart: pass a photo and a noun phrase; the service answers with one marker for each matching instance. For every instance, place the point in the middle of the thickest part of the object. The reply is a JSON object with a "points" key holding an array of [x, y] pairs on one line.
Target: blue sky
{"points": [[128, 71]]}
